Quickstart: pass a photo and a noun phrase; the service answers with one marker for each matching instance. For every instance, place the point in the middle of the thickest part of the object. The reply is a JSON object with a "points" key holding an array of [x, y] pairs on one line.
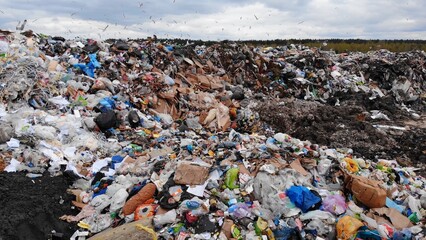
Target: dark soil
{"points": [[30, 207], [349, 126]]}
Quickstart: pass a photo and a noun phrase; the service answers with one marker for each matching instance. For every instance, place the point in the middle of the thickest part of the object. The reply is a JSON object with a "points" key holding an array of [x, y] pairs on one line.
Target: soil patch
{"points": [[31, 207], [349, 125]]}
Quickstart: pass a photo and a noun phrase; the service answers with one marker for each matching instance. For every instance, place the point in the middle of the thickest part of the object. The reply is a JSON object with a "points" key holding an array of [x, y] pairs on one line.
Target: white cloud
{"points": [[213, 20]]}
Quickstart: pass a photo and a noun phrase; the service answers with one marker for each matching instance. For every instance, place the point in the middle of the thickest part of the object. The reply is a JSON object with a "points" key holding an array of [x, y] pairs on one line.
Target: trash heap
{"points": [[163, 142]]}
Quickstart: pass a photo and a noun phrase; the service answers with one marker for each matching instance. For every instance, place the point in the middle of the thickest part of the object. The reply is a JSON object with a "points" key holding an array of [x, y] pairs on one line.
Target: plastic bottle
{"points": [[195, 205], [222, 206], [231, 178]]}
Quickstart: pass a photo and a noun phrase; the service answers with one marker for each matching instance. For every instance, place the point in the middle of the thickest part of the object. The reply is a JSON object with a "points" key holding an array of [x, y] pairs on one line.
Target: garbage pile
{"points": [[163, 142]]}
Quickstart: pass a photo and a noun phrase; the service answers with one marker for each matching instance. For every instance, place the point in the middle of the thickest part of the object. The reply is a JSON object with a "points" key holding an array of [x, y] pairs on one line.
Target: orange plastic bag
{"points": [[347, 226], [145, 211]]}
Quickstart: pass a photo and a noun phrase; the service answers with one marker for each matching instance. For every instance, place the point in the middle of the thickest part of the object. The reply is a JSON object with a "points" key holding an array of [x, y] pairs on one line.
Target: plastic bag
{"points": [[118, 200], [347, 227], [318, 226], [404, 234], [335, 204], [144, 211], [231, 178], [318, 214], [365, 233], [303, 198], [168, 217], [323, 166]]}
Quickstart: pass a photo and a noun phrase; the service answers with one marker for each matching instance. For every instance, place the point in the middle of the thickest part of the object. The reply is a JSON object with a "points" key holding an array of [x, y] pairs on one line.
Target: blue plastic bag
{"points": [[284, 233], [107, 104], [89, 68], [365, 233], [404, 234], [302, 197]]}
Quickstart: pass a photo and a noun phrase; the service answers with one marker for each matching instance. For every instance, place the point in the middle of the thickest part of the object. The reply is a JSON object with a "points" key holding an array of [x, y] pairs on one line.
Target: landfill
{"points": [[168, 141]]}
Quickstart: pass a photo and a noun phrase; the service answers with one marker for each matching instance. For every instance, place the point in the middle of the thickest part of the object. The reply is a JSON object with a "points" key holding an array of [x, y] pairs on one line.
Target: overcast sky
{"points": [[220, 19]]}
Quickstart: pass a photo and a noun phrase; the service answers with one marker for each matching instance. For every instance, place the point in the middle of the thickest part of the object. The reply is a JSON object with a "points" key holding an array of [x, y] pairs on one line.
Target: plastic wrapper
{"points": [[335, 204]]}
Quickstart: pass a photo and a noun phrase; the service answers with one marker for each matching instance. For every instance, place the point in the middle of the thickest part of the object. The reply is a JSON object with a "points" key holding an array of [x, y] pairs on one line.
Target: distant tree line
{"points": [[337, 45]]}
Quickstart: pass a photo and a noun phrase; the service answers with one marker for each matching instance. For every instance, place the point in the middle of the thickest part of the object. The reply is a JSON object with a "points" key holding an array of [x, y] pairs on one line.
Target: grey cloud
{"points": [[222, 19]]}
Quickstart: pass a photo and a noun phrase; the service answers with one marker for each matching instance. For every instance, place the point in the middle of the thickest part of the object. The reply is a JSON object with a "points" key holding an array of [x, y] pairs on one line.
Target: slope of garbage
{"points": [[142, 139]]}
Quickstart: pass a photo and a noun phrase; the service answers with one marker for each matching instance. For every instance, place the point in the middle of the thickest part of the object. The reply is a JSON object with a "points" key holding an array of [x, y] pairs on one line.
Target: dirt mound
{"points": [[349, 124], [31, 207]]}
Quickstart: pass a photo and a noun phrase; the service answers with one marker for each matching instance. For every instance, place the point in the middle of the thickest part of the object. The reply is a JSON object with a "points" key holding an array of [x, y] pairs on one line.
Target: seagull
{"points": [[74, 13], [20, 26], [103, 30], [300, 22], [140, 4], [256, 17]]}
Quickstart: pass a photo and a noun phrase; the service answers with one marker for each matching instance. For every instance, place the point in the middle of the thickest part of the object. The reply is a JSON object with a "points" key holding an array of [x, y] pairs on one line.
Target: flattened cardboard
{"points": [[296, 165], [398, 220], [367, 191], [191, 174]]}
